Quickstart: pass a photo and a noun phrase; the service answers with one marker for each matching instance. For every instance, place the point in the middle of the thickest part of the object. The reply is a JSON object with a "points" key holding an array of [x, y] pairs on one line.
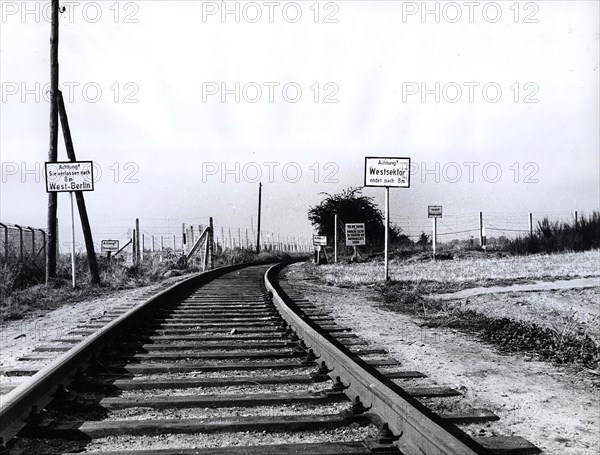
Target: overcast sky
{"points": [[498, 102]]}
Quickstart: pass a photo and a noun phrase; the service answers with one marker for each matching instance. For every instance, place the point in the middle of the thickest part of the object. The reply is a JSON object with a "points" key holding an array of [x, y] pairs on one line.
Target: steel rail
{"points": [[38, 390], [423, 432]]}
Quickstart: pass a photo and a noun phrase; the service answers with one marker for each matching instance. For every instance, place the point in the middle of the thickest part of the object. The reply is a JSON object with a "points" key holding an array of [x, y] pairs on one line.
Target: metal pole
{"points": [[72, 240], [335, 239], [258, 224], [434, 235], [387, 225], [481, 229]]}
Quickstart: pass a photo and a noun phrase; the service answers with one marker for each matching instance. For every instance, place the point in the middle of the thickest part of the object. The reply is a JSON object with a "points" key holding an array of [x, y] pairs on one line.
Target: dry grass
{"points": [[561, 326], [467, 272]]}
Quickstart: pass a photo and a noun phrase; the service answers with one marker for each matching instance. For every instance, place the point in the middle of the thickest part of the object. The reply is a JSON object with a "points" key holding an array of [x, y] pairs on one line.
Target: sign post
{"points": [[355, 234], [435, 212], [319, 241], [72, 241], [387, 172], [112, 246], [70, 176]]}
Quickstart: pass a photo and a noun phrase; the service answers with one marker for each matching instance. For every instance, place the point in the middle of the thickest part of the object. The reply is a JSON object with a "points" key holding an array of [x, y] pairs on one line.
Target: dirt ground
{"points": [[555, 407], [21, 337]]}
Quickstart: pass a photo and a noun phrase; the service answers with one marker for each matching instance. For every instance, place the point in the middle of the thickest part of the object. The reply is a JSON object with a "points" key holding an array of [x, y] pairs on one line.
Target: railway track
{"points": [[228, 362]]}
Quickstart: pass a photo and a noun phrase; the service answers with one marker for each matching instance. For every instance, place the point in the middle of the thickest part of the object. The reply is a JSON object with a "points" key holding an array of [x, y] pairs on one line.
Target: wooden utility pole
{"points": [[53, 149], [258, 224], [85, 222]]}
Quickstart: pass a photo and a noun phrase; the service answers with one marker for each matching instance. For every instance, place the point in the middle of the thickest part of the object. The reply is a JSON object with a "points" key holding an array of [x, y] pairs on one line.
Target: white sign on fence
{"points": [[64, 176], [109, 246], [434, 211], [387, 172], [355, 234], [319, 240]]}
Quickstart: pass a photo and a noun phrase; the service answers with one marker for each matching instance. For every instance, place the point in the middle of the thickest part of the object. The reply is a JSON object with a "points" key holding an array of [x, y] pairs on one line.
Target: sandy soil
{"points": [[554, 407], [19, 338]]}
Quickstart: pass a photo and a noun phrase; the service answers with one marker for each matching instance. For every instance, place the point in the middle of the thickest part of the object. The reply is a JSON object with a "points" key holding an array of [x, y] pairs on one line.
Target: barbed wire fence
{"points": [[496, 227], [164, 239], [22, 243]]}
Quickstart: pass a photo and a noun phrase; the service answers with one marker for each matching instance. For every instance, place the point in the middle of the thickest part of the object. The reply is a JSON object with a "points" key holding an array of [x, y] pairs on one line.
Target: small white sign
{"points": [[355, 234], [434, 211], [385, 171], [65, 176], [319, 240], [109, 246]]}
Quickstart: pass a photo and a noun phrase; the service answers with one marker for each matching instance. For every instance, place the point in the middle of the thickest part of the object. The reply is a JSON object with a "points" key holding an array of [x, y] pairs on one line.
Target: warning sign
{"points": [[434, 211], [319, 240], [109, 246], [389, 172], [355, 234], [63, 176]]}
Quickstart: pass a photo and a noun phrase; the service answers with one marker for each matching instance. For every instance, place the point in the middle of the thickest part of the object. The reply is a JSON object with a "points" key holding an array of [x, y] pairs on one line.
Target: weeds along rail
{"points": [[227, 362]]}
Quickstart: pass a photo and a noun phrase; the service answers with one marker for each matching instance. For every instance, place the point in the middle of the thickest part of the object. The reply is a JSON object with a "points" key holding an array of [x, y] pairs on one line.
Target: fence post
{"points": [[133, 247], [32, 241], [44, 240], [530, 224], [576, 220], [5, 227], [211, 244], [20, 241], [138, 245]]}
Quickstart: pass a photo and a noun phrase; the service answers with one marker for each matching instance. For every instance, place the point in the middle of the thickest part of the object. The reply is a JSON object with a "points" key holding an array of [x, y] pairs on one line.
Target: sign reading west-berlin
{"points": [[385, 171], [64, 176], [434, 211], [355, 234], [109, 246], [319, 240]]}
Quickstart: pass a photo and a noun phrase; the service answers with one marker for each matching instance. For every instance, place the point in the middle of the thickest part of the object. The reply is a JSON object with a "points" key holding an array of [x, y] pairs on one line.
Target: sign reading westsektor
{"points": [[387, 172], [65, 176]]}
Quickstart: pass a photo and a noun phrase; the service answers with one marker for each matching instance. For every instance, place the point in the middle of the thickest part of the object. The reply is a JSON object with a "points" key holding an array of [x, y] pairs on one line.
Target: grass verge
{"points": [[557, 345]]}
